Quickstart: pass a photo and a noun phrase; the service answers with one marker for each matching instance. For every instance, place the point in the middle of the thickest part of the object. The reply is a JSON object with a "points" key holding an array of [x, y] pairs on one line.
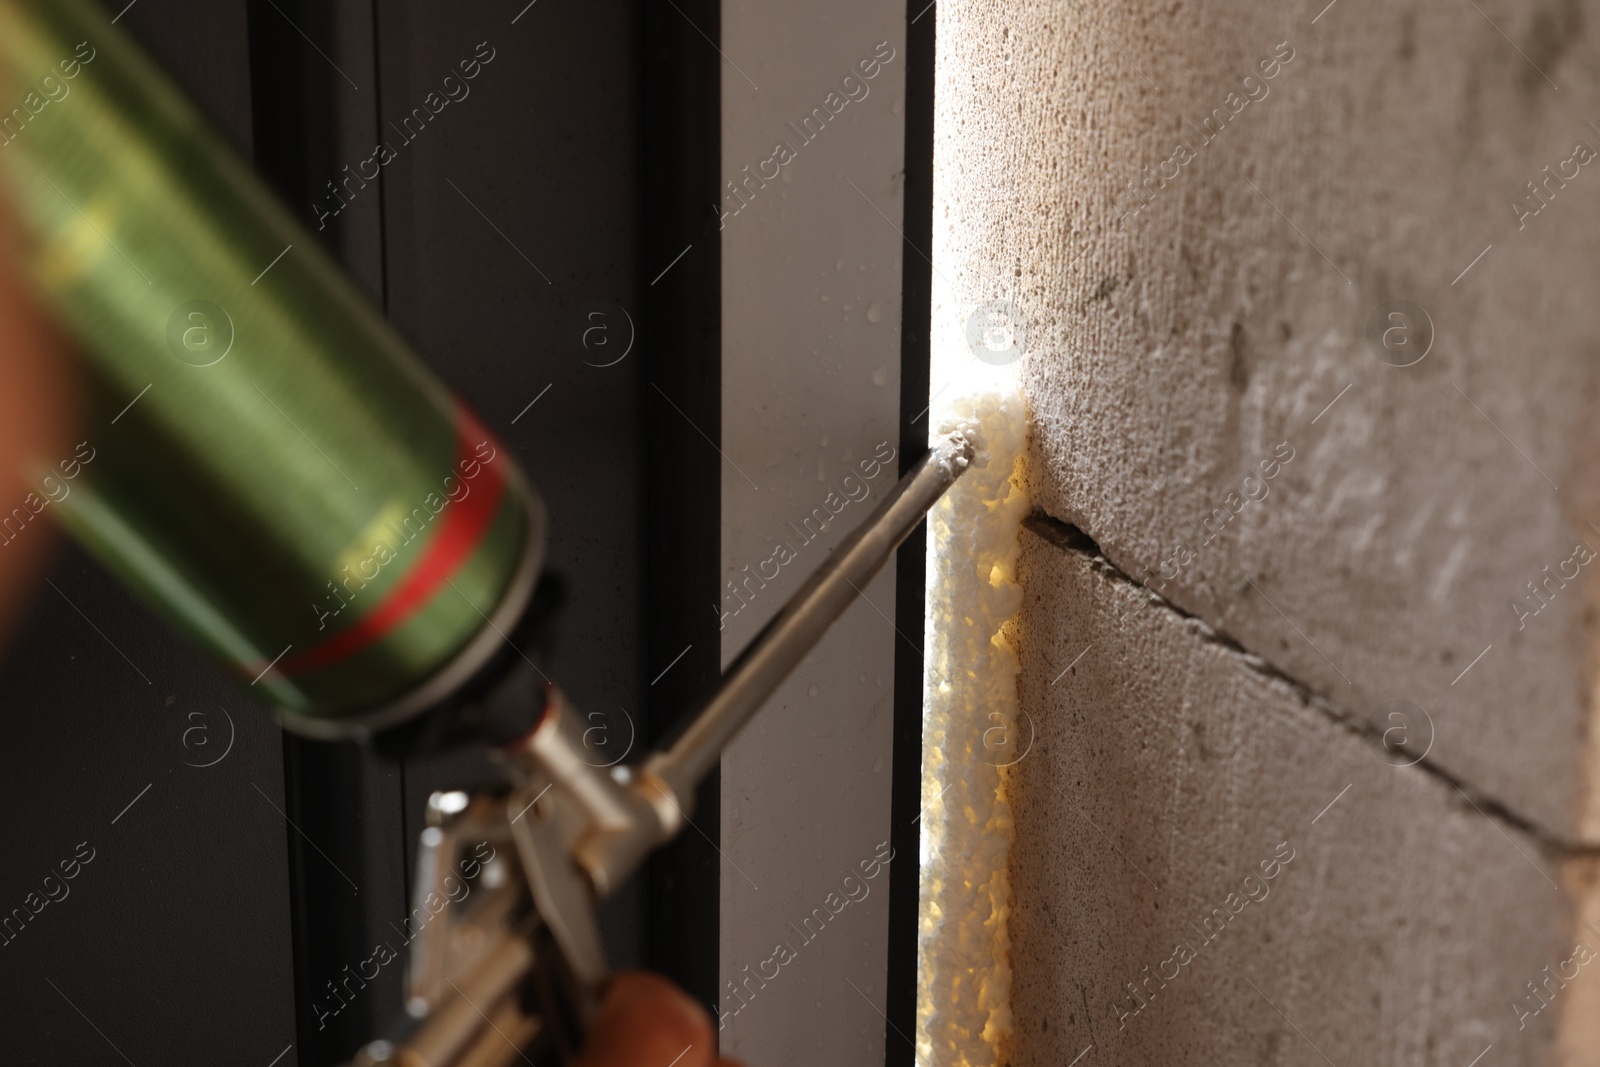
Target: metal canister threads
{"points": [[269, 464]]}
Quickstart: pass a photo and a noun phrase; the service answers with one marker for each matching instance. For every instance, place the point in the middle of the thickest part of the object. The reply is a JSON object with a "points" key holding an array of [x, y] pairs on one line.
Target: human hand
{"points": [[646, 1021], [35, 415]]}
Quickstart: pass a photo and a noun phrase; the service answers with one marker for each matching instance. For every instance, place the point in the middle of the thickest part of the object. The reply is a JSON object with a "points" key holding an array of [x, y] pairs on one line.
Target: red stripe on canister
{"points": [[464, 526]]}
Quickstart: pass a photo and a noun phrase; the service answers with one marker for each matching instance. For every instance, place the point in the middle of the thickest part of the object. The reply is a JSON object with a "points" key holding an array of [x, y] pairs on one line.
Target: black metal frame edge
{"points": [[682, 344], [335, 794]]}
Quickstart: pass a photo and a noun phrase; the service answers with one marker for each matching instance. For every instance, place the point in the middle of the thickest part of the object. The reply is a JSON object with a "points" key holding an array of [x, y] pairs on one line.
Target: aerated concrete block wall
{"points": [[1309, 300]]}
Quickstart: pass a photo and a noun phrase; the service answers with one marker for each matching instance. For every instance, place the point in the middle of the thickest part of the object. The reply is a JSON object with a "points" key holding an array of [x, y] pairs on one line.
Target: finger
{"points": [[34, 420], [646, 1021]]}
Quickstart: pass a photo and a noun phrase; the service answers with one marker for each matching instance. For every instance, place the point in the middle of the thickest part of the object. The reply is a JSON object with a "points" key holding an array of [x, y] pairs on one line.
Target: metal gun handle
{"points": [[524, 965]]}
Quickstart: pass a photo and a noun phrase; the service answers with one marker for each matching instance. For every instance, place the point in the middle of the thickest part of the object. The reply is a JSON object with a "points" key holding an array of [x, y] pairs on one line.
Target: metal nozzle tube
{"points": [[786, 640]]}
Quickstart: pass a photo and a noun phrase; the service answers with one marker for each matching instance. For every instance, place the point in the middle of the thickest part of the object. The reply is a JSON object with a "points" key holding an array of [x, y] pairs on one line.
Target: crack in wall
{"points": [[1073, 539]]}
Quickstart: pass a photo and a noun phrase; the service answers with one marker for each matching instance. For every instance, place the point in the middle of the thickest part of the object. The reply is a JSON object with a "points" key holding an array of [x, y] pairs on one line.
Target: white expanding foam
{"points": [[970, 726]]}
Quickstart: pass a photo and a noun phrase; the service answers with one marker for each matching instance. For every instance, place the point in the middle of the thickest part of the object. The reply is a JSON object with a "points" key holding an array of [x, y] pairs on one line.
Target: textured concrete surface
{"points": [[1170, 774], [1182, 336]]}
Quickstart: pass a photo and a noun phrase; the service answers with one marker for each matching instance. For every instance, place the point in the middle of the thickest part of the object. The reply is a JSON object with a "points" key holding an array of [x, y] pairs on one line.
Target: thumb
{"points": [[35, 418], [646, 1021]]}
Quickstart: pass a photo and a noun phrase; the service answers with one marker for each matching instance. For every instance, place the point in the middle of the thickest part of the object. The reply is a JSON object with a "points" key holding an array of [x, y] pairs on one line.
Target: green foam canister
{"points": [[263, 457]]}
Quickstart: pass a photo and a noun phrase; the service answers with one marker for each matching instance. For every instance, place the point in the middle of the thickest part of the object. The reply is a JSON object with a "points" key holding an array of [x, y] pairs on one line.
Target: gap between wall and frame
{"points": [[916, 316]]}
